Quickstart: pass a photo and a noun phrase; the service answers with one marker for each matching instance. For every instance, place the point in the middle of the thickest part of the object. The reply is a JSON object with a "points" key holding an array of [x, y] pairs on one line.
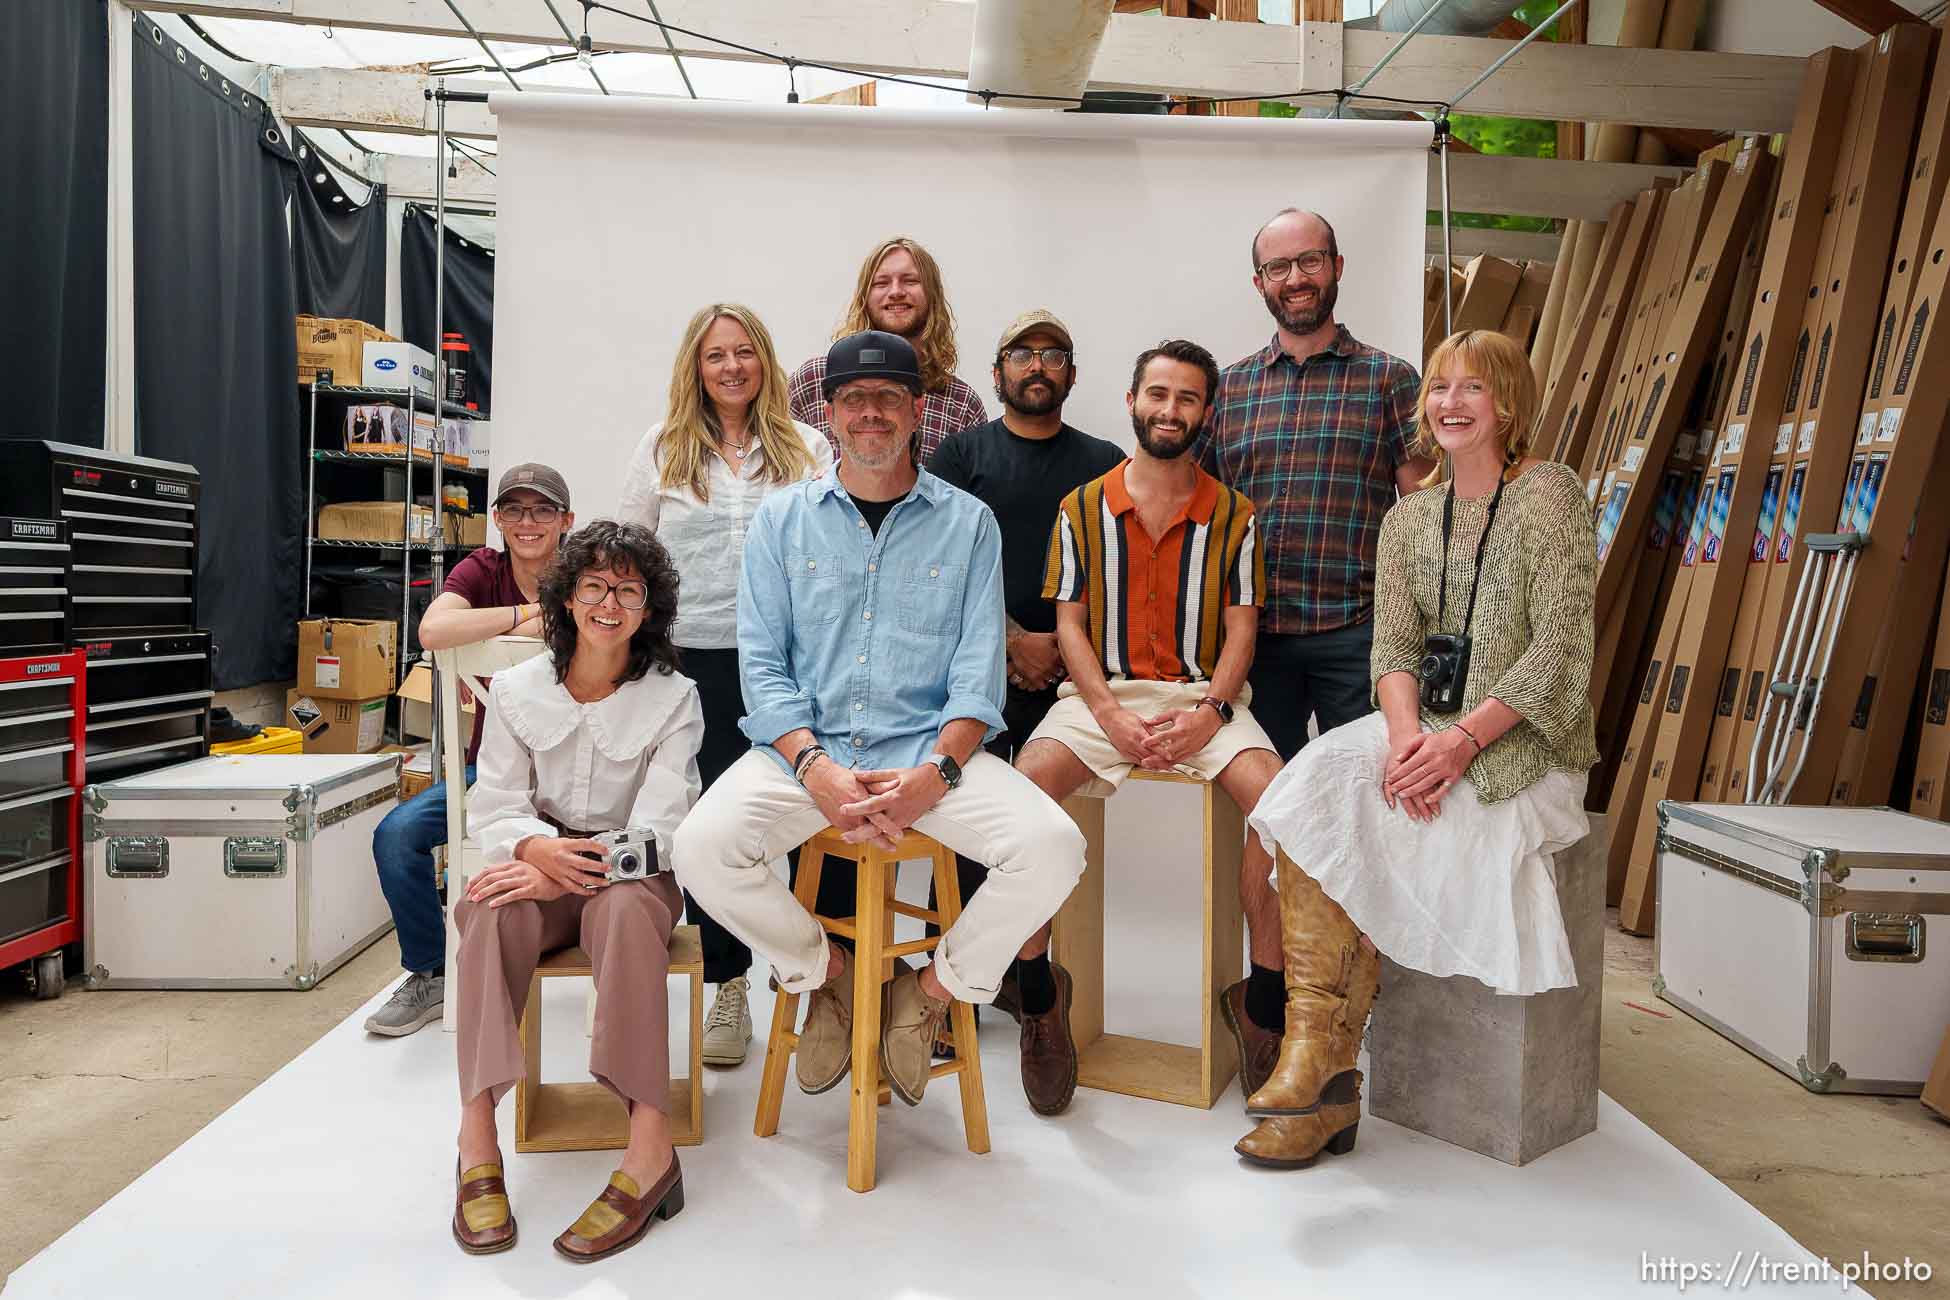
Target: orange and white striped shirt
{"points": [[1155, 605]]}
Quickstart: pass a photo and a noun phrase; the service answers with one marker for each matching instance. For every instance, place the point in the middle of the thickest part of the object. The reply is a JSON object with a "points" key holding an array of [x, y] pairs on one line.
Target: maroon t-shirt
{"points": [[485, 580]]}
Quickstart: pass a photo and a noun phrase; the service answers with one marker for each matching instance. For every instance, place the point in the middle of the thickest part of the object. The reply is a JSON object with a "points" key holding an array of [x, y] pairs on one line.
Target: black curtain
{"points": [[54, 219], [216, 354], [470, 296], [338, 248]]}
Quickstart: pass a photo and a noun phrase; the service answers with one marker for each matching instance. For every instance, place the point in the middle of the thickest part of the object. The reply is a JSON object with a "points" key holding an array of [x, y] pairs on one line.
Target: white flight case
{"points": [[253, 871], [1802, 934]]}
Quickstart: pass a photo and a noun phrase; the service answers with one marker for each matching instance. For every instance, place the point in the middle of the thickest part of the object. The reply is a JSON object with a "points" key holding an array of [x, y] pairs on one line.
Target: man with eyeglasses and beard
{"points": [[1316, 428], [1156, 573], [870, 628], [1021, 466], [489, 593]]}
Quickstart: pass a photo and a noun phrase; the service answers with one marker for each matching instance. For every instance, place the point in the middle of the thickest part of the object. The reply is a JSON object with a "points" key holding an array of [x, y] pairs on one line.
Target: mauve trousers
{"points": [[625, 928]]}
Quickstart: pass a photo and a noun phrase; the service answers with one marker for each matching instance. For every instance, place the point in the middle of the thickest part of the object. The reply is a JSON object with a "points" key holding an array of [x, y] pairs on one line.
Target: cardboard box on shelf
{"points": [[415, 769], [373, 521], [416, 702], [336, 726], [346, 659], [335, 345], [473, 530], [393, 364]]}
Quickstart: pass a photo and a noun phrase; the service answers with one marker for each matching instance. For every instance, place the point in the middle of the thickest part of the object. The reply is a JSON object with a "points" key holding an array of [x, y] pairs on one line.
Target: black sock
{"points": [[1266, 998], [1035, 985]]}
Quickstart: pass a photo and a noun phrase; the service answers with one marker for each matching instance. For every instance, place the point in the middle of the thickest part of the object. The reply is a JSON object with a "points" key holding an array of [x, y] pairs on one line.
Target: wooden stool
{"points": [[1140, 1067], [588, 1116], [872, 930]]}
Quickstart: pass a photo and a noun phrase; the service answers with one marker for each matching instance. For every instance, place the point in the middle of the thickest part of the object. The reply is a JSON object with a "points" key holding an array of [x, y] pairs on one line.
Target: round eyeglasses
{"points": [[630, 594], [1052, 358], [1311, 262]]}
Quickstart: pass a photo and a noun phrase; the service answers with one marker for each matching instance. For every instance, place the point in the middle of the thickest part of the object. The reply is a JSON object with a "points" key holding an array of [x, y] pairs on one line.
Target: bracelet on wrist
{"points": [[1472, 735], [802, 765]]}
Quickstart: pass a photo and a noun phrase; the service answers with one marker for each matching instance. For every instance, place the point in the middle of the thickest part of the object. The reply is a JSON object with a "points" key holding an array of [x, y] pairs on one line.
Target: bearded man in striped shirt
{"points": [[1157, 575]]}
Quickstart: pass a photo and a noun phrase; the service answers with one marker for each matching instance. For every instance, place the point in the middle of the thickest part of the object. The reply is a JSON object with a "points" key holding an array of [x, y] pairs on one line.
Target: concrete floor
{"points": [[97, 1087]]}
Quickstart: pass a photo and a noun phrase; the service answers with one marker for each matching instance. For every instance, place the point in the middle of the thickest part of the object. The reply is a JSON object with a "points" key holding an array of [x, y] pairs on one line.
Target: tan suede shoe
{"points": [[483, 1222], [909, 1019], [621, 1214], [825, 1051]]}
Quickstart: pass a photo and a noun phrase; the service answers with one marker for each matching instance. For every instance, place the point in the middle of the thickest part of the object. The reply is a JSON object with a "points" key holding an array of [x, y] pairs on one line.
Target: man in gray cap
{"points": [[870, 631], [1021, 466], [489, 593]]}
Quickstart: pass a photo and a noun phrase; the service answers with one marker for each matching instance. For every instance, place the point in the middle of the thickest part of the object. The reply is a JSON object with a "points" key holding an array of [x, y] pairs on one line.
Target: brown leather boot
{"points": [[1296, 1141], [1331, 982]]}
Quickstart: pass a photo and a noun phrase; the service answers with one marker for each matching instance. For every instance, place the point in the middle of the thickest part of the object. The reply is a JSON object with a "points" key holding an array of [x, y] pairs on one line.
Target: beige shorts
{"points": [[1070, 724]]}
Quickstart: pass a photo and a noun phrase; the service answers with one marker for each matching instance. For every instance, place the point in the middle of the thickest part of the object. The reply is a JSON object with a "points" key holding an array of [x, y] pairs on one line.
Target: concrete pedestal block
{"points": [[1508, 1077]]}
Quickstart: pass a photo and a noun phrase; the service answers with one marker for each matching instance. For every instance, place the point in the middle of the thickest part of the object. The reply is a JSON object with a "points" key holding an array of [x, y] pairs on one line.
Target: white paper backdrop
{"points": [[618, 219]]}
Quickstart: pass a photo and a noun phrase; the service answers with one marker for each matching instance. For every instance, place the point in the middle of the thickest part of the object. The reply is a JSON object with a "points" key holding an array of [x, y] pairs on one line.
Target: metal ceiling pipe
{"points": [[1035, 47], [1458, 17]]}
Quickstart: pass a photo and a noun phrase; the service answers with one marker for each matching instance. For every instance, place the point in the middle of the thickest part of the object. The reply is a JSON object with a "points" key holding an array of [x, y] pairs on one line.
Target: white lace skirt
{"points": [[1470, 893]]}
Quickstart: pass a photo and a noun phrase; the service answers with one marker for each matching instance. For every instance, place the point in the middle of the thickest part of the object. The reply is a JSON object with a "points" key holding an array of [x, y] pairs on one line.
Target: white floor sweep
{"points": [[335, 1178]]}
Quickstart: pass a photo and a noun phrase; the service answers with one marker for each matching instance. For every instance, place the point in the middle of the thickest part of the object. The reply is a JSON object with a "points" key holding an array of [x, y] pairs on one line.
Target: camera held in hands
{"points": [[630, 854], [1444, 671]]}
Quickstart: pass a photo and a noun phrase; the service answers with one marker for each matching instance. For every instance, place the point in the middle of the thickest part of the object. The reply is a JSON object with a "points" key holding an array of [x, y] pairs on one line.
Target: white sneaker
{"points": [[728, 1029]]}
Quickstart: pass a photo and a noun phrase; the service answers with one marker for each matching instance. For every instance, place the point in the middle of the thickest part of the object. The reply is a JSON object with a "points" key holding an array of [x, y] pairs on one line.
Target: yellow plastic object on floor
{"points": [[272, 740]]}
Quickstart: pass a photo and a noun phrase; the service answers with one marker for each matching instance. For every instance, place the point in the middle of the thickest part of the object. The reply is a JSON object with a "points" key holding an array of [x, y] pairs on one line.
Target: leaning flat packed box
{"points": [[336, 726], [1801, 933], [416, 702], [335, 345], [253, 871], [347, 658]]}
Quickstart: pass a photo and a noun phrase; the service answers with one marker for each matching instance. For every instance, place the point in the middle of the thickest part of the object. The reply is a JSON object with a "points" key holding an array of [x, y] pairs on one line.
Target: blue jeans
{"points": [[402, 847]]}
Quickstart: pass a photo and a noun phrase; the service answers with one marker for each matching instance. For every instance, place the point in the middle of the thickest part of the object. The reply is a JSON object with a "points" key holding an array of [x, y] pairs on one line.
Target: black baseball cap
{"points": [[871, 354]]}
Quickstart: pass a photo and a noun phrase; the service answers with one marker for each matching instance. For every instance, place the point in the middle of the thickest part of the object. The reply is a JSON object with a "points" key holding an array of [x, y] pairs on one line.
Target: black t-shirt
{"points": [[875, 512], [1023, 480]]}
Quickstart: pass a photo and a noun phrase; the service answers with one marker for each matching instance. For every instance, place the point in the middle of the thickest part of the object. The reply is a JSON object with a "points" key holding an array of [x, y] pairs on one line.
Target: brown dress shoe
{"points": [[618, 1218], [483, 1223], [1049, 1053], [1296, 1141], [1259, 1049]]}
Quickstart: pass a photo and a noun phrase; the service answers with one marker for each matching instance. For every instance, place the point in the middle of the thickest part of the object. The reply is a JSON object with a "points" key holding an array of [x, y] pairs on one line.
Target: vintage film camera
{"points": [[1444, 671], [630, 854]]}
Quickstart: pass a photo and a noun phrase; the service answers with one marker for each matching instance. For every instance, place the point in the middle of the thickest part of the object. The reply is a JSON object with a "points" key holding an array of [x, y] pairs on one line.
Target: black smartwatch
{"points": [[950, 770], [1219, 707]]}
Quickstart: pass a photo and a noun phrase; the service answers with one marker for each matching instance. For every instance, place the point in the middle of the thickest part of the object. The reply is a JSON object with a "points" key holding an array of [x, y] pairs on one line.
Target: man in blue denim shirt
{"points": [[870, 632]]}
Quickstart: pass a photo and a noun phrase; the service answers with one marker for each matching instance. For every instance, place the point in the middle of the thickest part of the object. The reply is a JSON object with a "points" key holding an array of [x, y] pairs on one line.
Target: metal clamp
{"points": [[138, 857], [1885, 936], [253, 857]]}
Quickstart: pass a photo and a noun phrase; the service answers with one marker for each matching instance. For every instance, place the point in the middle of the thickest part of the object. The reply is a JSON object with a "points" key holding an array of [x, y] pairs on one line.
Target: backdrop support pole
{"points": [[1448, 286], [1392, 51], [439, 540]]}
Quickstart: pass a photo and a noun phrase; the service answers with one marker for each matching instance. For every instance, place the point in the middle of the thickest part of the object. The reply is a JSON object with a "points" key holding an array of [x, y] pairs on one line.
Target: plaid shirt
{"points": [[951, 409], [1314, 445]]}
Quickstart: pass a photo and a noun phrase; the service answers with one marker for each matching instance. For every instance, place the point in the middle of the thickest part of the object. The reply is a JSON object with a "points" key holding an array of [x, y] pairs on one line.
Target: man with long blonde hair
{"points": [[900, 291]]}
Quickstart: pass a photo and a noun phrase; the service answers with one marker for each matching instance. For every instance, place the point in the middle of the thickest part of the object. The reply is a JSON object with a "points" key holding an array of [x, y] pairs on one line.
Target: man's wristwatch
{"points": [[1219, 707], [950, 770]]}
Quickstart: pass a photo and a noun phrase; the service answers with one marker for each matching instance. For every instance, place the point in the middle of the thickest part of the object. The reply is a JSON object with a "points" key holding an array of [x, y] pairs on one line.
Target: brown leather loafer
{"points": [[618, 1218], [483, 1222], [1259, 1049], [1049, 1052]]}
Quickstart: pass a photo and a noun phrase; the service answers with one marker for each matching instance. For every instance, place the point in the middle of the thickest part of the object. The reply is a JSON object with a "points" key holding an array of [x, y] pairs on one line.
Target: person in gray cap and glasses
{"points": [[1021, 466], [490, 593], [870, 632]]}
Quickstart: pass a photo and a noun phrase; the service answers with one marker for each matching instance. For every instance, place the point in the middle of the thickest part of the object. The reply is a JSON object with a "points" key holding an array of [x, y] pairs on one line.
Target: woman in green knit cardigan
{"points": [[1426, 829]]}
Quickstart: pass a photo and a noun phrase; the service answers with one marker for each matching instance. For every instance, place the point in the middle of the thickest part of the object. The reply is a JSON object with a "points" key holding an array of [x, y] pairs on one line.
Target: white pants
{"points": [[997, 816]]}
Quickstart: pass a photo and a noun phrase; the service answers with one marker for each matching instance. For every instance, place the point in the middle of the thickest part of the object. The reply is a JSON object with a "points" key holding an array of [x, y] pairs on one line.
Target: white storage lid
{"points": [[266, 772], [1849, 831]]}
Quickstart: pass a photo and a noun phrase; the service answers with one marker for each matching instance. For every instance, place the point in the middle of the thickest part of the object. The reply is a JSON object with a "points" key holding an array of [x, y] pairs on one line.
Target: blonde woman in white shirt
{"points": [[726, 442], [599, 734]]}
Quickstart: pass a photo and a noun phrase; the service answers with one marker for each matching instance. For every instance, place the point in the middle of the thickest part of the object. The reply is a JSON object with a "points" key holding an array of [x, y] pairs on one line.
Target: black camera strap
{"points": [[1448, 524]]}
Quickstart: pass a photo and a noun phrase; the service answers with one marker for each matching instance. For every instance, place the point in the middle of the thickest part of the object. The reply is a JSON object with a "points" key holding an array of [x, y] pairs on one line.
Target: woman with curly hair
{"points": [[726, 442], [599, 734]]}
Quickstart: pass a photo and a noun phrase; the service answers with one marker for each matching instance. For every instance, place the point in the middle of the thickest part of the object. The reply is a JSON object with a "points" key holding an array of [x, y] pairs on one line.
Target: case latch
{"points": [[253, 857], [138, 857], [1885, 936]]}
